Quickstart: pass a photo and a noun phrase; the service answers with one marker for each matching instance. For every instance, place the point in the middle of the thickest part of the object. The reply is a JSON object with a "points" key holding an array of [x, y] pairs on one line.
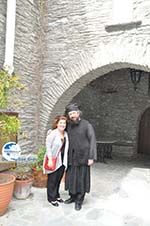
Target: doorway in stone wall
{"points": [[144, 133]]}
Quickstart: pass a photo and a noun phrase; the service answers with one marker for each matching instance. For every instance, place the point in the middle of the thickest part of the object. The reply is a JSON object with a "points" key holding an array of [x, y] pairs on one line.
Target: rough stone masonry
{"points": [[61, 47]]}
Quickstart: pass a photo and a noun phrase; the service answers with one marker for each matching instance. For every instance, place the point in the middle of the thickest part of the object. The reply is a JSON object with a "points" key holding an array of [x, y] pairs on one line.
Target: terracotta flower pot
{"points": [[40, 179], [22, 188], [6, 191]]}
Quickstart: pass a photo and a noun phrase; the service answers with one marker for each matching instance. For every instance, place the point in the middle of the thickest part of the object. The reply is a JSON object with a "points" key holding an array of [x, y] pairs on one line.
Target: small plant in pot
{"points": [[40, 179], [24, 181]]}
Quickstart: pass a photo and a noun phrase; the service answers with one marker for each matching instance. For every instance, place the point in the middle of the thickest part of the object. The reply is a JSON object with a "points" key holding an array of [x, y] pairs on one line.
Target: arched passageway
{"points": [[112, 105], [81, 70]]}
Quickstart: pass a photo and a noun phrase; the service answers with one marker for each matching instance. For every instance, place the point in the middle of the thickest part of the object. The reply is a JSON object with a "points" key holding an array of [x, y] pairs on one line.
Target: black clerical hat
{"points": [[72, 107]]}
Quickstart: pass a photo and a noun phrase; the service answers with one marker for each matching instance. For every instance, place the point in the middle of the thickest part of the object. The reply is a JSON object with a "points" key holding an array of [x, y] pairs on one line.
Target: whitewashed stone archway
{"points": [[88, 66]]}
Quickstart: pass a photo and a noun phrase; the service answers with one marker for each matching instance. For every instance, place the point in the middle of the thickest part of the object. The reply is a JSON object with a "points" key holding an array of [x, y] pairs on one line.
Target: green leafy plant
{"points": [[38, 164], [8, 125], [9, 85]]}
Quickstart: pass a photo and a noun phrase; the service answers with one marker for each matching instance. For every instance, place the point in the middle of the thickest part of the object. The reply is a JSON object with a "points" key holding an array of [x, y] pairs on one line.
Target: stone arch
{"points": [[85, 68]]}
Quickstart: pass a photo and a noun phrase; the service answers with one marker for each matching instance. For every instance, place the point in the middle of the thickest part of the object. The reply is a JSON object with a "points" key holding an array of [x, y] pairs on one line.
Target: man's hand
{"points": [[90, 162]]}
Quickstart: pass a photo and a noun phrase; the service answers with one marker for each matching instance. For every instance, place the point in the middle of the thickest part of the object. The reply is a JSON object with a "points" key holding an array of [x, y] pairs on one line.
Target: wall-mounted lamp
{"points": [[135, 77]]}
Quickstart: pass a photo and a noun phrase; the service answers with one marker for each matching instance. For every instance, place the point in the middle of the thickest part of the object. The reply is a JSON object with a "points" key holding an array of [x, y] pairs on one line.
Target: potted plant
{"points": [[24, 181], [40, 179], [6, 190]]}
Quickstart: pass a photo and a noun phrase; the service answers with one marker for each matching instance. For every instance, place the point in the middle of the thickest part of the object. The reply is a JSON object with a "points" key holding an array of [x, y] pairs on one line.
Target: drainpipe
{"points": [[10, 36]]}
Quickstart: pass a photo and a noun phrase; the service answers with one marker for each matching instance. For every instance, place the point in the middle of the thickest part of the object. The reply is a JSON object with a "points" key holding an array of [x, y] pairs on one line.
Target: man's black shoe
{"points": [[78, 206], [68, 201]]}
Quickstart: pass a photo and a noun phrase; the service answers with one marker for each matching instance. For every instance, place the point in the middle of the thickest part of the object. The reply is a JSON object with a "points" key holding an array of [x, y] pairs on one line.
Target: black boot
{"points": [[70, 200], [78, 206]]}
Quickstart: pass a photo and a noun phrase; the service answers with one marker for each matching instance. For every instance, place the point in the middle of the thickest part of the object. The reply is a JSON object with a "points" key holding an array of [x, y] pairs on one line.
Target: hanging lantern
{"points": [[135, 77]]}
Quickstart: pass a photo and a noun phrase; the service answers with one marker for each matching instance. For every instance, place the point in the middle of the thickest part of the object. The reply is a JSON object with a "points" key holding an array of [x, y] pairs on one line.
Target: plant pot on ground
{"points": [[7, 182], [40, 179], [22, 188], [23, 183]]}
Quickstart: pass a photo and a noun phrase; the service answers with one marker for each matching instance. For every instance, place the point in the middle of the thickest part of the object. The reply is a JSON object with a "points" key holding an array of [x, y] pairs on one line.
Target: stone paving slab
{"points": [[120, 196]]}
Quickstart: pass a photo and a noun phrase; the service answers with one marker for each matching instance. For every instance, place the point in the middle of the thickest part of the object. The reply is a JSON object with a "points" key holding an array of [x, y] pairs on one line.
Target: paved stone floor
{"points": [[120, 196]]}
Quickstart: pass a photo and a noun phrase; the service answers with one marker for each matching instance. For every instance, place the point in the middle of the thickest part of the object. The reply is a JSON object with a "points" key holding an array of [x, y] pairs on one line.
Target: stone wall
{"points": [[3, 4], [28, 62], [81, 49], [62, 46], [113, 107]]}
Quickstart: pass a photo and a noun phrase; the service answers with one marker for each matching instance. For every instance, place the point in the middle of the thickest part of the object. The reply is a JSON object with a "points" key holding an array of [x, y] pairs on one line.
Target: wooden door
{"points": [[144, 133]]}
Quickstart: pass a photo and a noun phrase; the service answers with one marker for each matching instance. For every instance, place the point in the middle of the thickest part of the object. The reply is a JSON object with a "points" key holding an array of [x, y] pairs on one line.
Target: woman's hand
{"points": [[50, 163]]}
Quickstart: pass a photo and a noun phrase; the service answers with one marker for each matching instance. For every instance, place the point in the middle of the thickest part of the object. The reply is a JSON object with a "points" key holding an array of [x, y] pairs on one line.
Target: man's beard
{"points": [[74, 122]]}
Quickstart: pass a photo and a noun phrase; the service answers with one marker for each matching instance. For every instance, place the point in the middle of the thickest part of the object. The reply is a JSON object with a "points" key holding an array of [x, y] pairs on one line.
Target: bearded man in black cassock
{"points": [[81, 155]]}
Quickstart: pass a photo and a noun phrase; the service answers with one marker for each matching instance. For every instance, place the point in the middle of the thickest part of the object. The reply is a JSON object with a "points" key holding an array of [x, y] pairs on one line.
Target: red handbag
{"points": [[53, 167]]}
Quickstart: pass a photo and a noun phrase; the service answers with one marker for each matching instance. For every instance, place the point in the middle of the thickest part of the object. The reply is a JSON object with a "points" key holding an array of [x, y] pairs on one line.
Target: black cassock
{"points": [[82, 146]]}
